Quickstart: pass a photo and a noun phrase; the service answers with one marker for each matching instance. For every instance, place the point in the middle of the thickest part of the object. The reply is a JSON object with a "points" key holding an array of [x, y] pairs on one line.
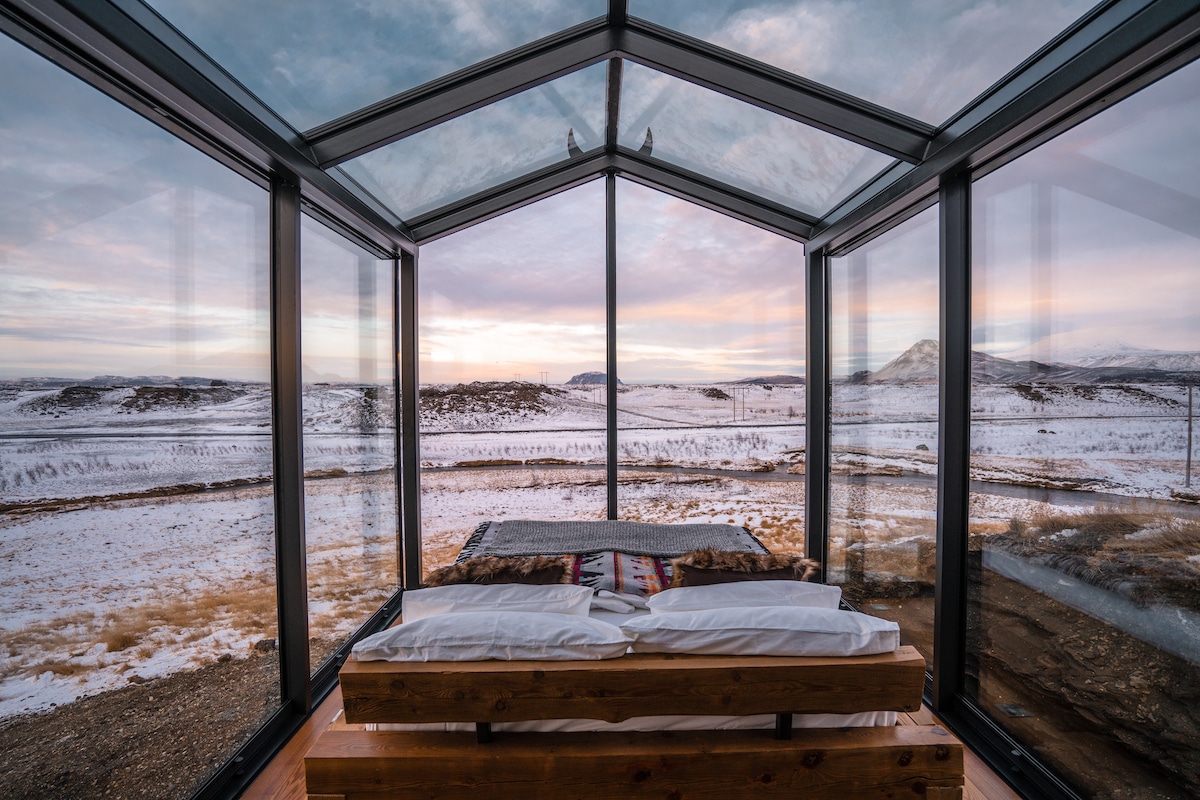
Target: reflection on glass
{"points": [[884, 403], [739, 144], [511, 329], [486, 147], [925, 60], [312, 61], [136, 513], [710, 355], [350, 494], [1084, 621]]}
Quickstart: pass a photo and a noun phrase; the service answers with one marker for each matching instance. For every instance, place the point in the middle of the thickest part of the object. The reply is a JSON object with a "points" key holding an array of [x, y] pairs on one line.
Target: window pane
{"points": [[739, 144], [511, 321], [350, 494], [313, 61], [1084, 635], [884, 400], [926, 60], [137, 597], [487, 147], [710, 354]]}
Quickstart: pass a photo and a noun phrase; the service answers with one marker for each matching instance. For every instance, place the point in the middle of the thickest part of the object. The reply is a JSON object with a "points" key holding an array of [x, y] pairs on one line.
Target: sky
{"points": [[923, 58], [124, 251], [895, 54], [299, 63], [700, 296]]}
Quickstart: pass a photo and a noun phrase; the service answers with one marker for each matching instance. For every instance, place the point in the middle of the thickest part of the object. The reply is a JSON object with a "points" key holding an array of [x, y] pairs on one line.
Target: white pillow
{"points": [[766, 631], [503, 635], [554, 598], [745, 594]]}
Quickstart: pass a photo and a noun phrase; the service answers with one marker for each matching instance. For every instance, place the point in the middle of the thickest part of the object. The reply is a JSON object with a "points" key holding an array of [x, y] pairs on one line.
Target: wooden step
{"points": [[832, 764]]}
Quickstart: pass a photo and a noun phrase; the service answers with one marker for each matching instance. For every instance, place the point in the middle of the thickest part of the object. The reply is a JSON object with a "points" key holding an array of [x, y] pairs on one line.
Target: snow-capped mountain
{"points": [[918, 363], [1096, 362], [1087, 349]]}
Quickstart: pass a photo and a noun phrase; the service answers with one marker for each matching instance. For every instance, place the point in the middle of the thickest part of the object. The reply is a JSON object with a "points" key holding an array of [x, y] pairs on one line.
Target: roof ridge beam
{"points": [[775, 90], [705, 192], [628, 164], [509, 196], [460, 92]]}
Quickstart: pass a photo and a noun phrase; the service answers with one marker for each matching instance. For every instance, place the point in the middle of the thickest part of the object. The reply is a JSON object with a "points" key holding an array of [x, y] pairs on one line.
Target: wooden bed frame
{"points": [[899, 761]]}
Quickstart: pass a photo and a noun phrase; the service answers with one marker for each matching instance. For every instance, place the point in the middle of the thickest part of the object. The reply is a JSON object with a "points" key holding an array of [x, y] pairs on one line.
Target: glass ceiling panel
{"points": [[312, 61], [744, 146], [924, 59], [487, 147]]}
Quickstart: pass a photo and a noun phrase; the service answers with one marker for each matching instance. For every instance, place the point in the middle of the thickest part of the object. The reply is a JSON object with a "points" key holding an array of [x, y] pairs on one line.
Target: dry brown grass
{"points": [[62, 668], [118, 640], [1144, 555]]}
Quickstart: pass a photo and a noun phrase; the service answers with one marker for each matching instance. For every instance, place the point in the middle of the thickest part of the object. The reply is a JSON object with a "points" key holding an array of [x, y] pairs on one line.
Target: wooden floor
{"points": [[283, 779]]}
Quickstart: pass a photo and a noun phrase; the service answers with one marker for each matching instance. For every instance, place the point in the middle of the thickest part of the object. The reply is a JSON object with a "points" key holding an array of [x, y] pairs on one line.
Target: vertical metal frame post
{"points": [[397, 414], [610, 301], [954, 440], [816, 401], [288, 446], [409, 422]]}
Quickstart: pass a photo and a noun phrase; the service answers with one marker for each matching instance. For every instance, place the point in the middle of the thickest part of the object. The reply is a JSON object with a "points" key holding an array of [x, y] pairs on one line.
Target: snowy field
{"points": [[136, 526]]}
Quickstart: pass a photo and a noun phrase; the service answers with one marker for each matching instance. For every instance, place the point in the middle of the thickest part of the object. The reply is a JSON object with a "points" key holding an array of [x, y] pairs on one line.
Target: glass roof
{"points": [[312, 61], [923, 59], [744, 146], [486, 147], [315, 62]]}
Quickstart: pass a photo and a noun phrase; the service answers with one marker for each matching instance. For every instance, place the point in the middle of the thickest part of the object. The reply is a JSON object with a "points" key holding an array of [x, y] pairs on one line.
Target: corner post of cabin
{"points": [[816, 399], [410, 397], [287, 435], [954, 446]]}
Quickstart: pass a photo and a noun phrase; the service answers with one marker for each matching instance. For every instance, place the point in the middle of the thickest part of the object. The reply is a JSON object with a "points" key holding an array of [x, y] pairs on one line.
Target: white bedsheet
{"points": [[673, 722]]}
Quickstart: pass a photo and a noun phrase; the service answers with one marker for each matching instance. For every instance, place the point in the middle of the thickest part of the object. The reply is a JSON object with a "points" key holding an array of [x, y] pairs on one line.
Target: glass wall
{"points": [[350, 495], [512, 345], [883, 440], [137, 594], [710, 359], [1084, 617]]}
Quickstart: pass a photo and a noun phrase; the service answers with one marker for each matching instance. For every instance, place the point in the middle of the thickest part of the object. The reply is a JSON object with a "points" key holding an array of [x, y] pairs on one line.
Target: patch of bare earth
{"points": [[160, 739]]}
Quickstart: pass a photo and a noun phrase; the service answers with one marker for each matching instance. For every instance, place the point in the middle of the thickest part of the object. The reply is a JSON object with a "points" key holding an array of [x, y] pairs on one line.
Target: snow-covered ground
{"points": [[136, 527]]}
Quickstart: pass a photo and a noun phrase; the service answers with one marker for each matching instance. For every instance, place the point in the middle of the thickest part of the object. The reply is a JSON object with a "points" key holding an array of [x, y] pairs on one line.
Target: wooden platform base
{"points": [[834, 764]]}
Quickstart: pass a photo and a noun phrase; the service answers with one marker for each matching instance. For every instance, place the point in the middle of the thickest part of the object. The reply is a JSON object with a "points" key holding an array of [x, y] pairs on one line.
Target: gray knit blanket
{"points": [[523, 537]]}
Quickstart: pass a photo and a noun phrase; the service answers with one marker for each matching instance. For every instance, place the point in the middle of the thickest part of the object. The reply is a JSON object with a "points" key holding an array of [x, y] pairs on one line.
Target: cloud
{"points": [[925, 59], [487, 147], [122, 250], [319, 61], [747, 147]]}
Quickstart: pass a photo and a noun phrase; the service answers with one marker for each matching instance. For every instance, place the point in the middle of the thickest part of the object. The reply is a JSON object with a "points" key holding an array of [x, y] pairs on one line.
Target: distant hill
{"points": [[920, 364], [111, 381], [1084, 349], [591, 379], [776, 380]]}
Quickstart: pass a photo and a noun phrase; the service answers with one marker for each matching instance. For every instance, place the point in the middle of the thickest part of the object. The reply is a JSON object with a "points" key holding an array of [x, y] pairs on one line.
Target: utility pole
{"points": [[1187, 482]]}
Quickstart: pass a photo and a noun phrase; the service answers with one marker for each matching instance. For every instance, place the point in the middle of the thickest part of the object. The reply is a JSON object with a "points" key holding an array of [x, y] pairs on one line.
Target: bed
{"points": [[640, 724]]}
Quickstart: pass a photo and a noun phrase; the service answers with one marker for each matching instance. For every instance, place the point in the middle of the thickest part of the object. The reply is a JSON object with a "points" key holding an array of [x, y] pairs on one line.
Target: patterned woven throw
{"points": [[522, 537]]}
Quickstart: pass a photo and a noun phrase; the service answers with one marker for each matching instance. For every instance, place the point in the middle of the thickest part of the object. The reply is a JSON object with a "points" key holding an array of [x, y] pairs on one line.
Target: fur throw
{"points": [[538, 570], [708, 566]]}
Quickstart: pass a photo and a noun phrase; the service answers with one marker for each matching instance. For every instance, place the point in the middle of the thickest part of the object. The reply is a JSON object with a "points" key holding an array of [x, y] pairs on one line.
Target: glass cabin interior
{"points": [[911, 288]]}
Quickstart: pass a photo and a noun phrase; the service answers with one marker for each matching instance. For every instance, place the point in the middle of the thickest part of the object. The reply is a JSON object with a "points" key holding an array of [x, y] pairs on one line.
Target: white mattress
{"points": [[673, 722]]}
